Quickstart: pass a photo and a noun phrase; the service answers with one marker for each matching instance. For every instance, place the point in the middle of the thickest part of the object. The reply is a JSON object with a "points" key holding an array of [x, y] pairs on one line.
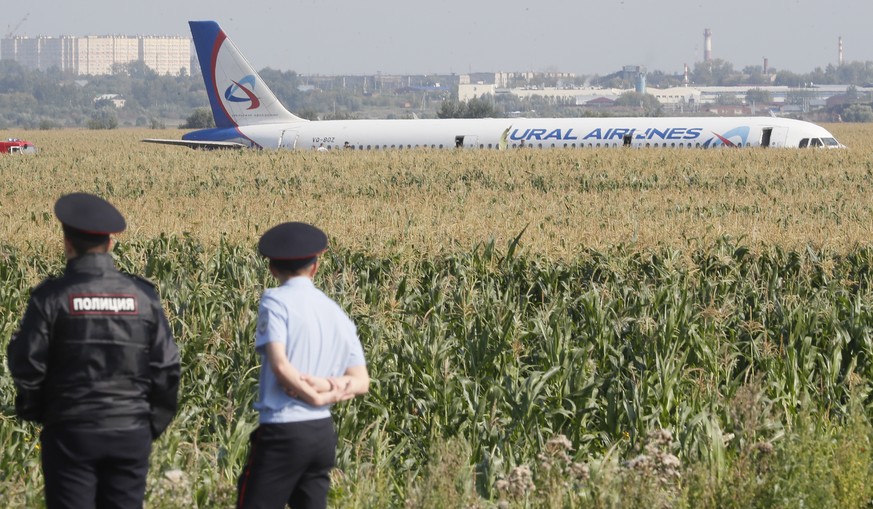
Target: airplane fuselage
{"points": [[699, 132], [249, 115]]}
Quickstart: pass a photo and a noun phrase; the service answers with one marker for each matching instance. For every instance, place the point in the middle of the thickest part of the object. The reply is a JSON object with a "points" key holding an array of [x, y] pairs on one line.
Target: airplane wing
{"points": [[205, 145]]}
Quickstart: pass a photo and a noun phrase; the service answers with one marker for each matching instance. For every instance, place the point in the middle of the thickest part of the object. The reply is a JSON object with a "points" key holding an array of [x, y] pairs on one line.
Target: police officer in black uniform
{"points": [[95, 363]]}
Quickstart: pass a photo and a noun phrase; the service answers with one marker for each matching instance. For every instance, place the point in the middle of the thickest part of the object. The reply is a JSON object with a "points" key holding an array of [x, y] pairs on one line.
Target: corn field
{"points": [[595, 328]]}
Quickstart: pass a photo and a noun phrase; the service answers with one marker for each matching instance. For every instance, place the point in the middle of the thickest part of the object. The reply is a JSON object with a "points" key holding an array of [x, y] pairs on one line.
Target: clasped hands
{"points": [[328, 389]]}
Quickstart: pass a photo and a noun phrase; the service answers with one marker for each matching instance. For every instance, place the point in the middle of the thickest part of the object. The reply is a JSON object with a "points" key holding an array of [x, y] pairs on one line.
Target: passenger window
{"points": [[815, 142], [804, 143]]}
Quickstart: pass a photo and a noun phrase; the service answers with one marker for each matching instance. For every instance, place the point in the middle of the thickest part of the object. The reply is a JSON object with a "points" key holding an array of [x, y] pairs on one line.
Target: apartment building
{"points": [[97, 54]]}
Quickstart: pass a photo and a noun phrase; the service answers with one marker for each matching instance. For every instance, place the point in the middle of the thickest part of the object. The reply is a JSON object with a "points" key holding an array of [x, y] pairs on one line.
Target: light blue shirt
{"points": [[319, 339]]}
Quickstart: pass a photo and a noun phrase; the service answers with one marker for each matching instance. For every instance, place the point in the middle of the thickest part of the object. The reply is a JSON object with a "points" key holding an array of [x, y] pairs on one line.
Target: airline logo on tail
{"points": [[240, 85]]}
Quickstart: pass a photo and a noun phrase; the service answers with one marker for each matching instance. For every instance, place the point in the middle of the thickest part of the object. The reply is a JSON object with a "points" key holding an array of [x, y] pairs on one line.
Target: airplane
{"points": [[248, 115], [16, 146]]}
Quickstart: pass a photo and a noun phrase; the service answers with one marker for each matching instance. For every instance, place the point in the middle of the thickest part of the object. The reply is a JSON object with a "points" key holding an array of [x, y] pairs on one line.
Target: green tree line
{"points": [[34, 99], [52, 99]]}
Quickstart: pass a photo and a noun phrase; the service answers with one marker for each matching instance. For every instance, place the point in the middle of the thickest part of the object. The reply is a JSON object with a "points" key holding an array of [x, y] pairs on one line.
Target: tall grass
{"points": [[589, 328], [441, 202], [677, 378]]}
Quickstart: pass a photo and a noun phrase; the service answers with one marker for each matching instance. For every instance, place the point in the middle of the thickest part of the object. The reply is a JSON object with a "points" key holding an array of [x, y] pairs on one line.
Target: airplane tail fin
{"points": [[238, 96]]}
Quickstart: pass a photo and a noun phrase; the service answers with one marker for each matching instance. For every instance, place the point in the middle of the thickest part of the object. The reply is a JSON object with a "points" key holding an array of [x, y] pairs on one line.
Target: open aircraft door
{"points": [[466, 141], [288, 139], [774, 137]]}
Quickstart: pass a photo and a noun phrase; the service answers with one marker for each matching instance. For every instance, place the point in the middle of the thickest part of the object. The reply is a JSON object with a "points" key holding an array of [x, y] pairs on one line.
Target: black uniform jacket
{"points": [[95, 349]]}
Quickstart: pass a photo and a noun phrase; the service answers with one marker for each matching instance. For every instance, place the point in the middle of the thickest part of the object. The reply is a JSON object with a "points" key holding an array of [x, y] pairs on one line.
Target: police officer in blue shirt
{"points": [[94, 362], [311, 358]]}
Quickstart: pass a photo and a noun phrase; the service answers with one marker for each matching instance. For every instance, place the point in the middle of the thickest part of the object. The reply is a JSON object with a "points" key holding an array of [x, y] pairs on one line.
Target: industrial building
{"points": [[676, 99]]}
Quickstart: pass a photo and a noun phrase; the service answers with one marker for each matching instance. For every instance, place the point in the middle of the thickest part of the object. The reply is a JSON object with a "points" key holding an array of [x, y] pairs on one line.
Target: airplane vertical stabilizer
{"points": [[237, 94]]}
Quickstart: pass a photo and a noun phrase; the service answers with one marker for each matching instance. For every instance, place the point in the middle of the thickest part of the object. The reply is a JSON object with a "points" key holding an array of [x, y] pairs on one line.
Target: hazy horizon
{"points": [[333, 37]]}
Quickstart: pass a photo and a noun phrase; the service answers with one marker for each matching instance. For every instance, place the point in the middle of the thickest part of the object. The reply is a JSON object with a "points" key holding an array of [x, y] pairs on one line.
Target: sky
{"points": [[585, 37]]}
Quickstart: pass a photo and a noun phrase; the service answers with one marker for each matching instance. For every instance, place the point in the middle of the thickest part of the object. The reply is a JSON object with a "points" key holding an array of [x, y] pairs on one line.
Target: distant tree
{"points": [[799, 96], [717, 72], [858, 113], [200, 119], [340, 115], [613, 82], [104, 103], [647, 102], [46, 124], [758, 96], [138, 70], [474, 108], [308, 114], [284, 85], [727, 100], [789, 79], [481, 107], [822, 76], [451, 109], [852, 93], [754, 75], [660, 79], [104, 118]]}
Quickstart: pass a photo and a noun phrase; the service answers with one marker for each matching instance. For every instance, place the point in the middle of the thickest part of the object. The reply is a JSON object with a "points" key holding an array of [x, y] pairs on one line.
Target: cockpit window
{"points": [[830, 142], [815, 142], [804, 143]]}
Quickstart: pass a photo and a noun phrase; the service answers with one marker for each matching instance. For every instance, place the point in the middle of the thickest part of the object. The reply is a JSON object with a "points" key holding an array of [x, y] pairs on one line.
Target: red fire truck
{"points": [[16, 146]]}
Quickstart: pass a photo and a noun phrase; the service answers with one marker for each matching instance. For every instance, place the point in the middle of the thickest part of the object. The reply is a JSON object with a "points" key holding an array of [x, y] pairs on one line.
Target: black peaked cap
{"points": [[90, 214], [292, 241]]}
